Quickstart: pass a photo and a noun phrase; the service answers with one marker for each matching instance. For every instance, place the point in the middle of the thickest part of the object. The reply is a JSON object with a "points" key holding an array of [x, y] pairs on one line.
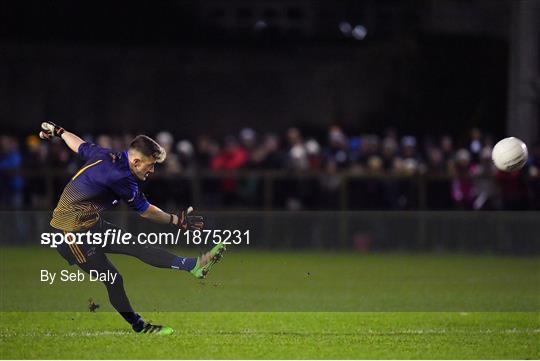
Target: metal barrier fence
{"points": [[268, 190]]}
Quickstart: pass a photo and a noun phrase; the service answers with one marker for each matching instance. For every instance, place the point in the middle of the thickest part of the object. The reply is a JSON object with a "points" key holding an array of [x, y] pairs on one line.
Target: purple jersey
{"points": [[99, 184]]}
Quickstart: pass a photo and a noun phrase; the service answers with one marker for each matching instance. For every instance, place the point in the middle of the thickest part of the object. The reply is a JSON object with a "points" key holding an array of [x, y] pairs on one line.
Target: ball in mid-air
{"points": [[509, 154]]}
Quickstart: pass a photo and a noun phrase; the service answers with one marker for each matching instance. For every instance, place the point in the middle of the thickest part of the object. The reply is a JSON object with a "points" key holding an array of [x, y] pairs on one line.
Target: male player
{"points": [[106, 178]]}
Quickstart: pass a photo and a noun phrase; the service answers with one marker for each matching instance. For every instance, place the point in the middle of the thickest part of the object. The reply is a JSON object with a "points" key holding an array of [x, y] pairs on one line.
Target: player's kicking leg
{"points": [[161, 258]]}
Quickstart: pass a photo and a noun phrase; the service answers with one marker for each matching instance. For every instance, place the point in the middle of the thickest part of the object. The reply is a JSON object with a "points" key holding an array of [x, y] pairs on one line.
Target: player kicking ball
{"points": [[105, 178]]}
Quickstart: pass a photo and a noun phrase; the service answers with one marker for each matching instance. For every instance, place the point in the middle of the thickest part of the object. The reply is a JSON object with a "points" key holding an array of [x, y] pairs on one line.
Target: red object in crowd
{"points": [[229, 159], [511, 183], [234, 158]]}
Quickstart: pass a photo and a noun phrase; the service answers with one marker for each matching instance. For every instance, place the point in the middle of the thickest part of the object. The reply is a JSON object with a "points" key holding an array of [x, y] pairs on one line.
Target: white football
{"points": [[509, 154]]}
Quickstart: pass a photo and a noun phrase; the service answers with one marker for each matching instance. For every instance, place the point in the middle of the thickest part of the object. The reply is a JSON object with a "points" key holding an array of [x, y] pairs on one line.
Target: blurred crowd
{"points": [[382, 170]]}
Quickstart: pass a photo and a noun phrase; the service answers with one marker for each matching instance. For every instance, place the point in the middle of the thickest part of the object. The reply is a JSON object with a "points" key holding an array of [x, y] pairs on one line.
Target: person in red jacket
{"points": [[230, 157]]}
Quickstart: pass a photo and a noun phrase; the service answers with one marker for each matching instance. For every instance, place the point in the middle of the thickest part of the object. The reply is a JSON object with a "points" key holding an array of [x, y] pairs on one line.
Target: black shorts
{"points": [[79, 253], [95, 255]]}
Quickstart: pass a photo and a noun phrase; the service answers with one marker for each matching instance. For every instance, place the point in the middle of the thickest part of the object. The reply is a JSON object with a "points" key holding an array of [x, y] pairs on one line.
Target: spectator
{"points": [[435, 163], [462, 183], [248, 141], [313, 150], [447, 148], [231, 157], [389, 151], [485, 187], [475, 144], [36, 158], [10, 162], [375, 164], [337, 148], [534, 161], [368, 146], [268, 155], [207, 149], [409, 163], [534, 176], [297, 158], [186, 154], [514, 192], [171, 163], [117, 144], [437, 194], [104, 141]]}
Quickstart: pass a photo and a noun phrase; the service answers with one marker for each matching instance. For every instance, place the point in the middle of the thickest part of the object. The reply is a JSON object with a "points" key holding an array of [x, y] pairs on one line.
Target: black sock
{"points": [[136, 321]]}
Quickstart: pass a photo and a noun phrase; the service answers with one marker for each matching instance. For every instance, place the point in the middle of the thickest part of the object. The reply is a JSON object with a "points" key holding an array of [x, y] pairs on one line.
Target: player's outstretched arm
{"points": [[50, 130], [73, 141], [183, 220], [155, 214]]}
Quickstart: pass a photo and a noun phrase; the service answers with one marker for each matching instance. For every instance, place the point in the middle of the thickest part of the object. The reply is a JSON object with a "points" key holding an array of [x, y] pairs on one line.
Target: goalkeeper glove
{"points": [[189, 222], [50, 130]]}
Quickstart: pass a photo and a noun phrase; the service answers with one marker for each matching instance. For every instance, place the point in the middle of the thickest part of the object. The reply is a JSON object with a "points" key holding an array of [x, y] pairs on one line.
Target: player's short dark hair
{"points": [[148, 147]]}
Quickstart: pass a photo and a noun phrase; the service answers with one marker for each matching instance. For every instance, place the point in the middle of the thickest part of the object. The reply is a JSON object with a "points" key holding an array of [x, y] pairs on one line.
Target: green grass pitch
{"points": [[336, 305]]}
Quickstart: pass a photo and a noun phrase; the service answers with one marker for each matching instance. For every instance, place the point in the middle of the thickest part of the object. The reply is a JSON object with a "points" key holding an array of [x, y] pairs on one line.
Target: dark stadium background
{"points": [[286, 105], [217, 66]]}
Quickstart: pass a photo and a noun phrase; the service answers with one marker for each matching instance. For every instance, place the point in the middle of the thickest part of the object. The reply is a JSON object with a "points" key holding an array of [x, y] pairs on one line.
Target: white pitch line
{"points": [[291, 333]]}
